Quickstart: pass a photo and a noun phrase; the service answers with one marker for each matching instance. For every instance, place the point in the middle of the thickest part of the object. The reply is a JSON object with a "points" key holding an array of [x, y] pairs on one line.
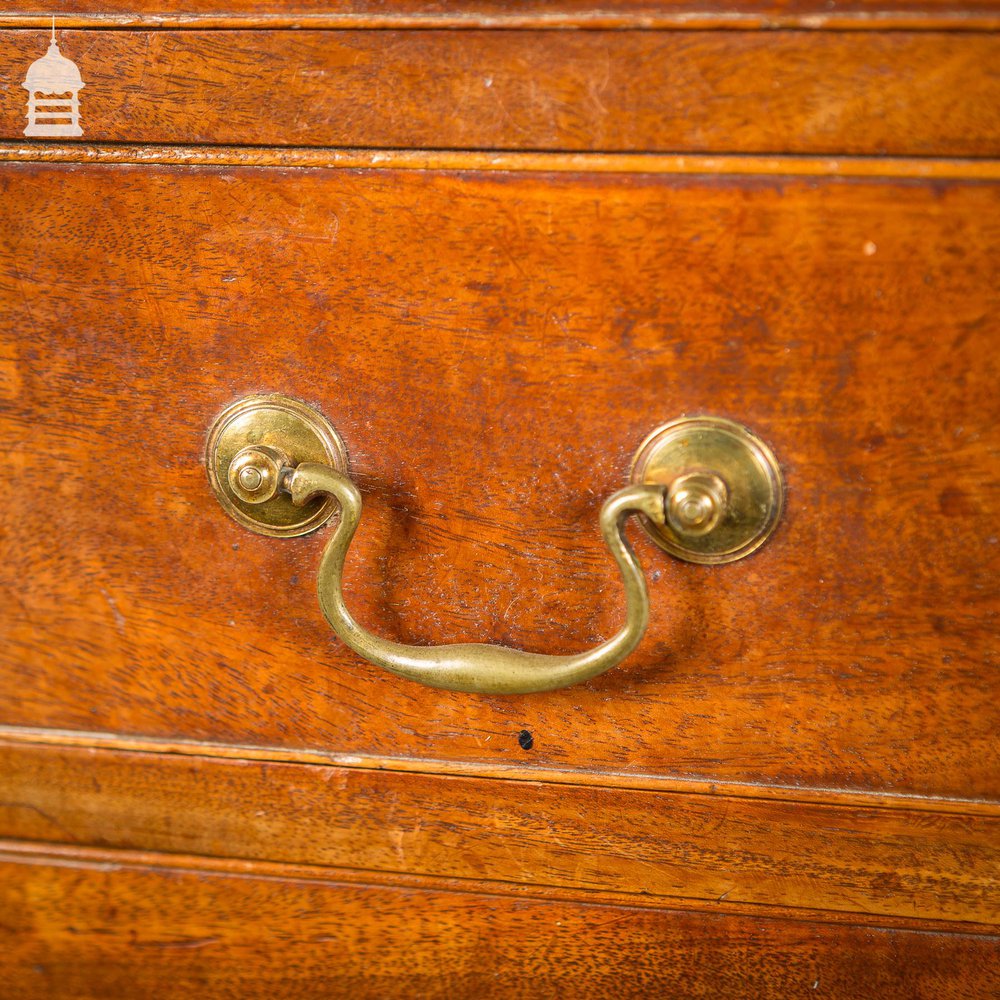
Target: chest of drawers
{"points": [[495, 246]]}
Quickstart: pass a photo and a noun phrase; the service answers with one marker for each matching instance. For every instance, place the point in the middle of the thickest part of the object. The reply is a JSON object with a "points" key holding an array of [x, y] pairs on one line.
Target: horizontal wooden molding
{"points": [[459, 160], [427, 766], [761, 17], [35, 852], [843, 858]]}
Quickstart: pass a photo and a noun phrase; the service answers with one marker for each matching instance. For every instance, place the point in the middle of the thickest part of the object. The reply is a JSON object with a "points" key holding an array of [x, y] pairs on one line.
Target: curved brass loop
{"points": [[479, 667]]}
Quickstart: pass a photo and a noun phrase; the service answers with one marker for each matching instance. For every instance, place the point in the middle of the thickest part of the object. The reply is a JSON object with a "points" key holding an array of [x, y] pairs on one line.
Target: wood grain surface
{"points": [[848, 859], [498, 768], [493, 347], [496, 260], [899, 93], [647, 14], [892, 168], [118, 928]]}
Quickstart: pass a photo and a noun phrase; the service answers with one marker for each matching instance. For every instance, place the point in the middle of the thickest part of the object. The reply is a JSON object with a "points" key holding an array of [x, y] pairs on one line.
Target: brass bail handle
{"points": [[279, 468]]}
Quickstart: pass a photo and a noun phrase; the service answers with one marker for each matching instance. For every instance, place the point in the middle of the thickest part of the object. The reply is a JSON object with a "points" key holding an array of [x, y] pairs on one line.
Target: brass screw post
{"points": [[255, 473], [695, 502]]}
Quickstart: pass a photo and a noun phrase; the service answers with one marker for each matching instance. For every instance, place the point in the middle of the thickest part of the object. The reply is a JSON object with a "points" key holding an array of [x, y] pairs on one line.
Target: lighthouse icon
{"points": [[53, 84]]}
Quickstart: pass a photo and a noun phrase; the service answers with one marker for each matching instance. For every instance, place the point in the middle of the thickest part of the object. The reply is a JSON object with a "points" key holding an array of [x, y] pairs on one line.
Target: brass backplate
{"points": [[724, 467], [289, 427]]}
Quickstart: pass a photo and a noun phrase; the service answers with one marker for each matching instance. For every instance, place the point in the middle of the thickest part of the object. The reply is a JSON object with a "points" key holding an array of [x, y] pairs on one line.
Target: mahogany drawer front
{"points": [[901, 93], [97, 926], [520, 331]]}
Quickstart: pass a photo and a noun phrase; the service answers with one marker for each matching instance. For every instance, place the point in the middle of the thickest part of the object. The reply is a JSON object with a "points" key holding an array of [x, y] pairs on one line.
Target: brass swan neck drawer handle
{"points": [[706, 488], [479, 667]]}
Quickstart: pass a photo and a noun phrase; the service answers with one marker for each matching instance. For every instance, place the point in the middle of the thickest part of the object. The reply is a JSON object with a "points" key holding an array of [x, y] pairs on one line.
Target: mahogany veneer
{"points": [[553, 241]]}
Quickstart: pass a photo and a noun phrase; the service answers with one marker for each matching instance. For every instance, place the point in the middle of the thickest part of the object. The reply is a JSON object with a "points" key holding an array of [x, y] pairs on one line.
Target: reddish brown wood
{"points": [[809, 14], [498, 768], [84, 930], [893, 862], [895, 169], [34, 851], [713, 91], [520, 333], [801, 760]]}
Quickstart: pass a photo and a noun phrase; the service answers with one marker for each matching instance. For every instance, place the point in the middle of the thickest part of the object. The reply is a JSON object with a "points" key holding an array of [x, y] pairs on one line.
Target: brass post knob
{"points": [[724, 488], [255, 473], [251, 447], [696, 502]]}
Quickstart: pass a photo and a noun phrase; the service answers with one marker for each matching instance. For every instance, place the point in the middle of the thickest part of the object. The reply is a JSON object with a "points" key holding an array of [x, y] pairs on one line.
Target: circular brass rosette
{"points": [[725, 491], [250, 445]]}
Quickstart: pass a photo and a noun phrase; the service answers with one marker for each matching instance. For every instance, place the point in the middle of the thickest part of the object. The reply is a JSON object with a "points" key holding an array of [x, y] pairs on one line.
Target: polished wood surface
{"points": [[496, 259], [917, 168], [899, 93], [132, 926], [520, 332], [812, 15], [498, 768], [710, 848]]}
